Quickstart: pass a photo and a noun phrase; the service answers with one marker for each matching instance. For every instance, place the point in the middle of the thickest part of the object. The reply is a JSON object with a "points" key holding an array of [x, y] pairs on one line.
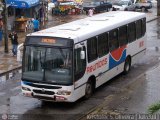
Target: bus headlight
{"points": [[63, 92], [25, 88]]}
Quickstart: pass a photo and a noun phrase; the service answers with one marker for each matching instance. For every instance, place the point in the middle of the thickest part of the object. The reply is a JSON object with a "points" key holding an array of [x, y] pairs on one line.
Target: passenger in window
{"points": [[58, 63]]}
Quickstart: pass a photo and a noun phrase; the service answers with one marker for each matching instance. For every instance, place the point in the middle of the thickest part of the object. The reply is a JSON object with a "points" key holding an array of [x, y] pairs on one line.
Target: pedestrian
{"points": [[27, 26], [113, 9], [14, 40], [90, 12], [30, 25], [36, 24], [1, 30]]}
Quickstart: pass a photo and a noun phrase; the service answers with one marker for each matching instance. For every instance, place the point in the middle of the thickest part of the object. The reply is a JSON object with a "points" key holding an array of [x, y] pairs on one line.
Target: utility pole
{"points": [[5, 27], [1, 23], [1, 7], [158, 7], [44, 12]]}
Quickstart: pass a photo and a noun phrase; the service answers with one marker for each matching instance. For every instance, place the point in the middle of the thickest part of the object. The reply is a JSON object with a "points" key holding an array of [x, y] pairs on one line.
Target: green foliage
{"points": [[154, 108]]}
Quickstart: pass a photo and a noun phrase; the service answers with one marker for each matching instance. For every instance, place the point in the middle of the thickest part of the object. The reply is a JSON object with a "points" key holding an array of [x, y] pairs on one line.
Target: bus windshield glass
{"points": [[48, 64]]}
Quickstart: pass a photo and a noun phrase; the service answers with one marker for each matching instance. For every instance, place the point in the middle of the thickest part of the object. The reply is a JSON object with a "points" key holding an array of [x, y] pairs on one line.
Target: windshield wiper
{"points": [[44, 72], [42, 62]]}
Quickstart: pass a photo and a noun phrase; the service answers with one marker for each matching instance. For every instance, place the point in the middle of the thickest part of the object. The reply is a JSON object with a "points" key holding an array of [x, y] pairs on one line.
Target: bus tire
{"points": [[143, 9], [88, 90], [44, 102], [127, 65]]}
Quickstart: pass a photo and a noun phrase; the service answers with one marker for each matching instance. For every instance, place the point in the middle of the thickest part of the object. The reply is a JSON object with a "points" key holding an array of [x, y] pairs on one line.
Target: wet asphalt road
{"points": [[125, 88], [142, 89]]}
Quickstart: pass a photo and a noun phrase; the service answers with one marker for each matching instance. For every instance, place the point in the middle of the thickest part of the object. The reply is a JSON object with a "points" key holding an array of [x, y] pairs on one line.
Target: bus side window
{"points": [[143, 26], [92, 49], [113, 39], [79, 64], [103, 44], [138, 29], [123, 35], [131, 32]]}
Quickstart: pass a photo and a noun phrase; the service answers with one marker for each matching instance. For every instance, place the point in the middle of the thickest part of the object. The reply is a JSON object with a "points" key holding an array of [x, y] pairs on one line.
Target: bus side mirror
{"points": [[19, 52], [82, 55]]}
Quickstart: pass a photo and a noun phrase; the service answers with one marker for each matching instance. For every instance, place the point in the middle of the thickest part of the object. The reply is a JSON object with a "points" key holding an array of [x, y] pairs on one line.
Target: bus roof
{"points": [[90, 26]]}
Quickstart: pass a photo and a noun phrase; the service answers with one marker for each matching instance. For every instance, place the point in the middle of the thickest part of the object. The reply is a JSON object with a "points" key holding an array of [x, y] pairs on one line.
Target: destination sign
{"points": [[51, 41], [48, 40]]}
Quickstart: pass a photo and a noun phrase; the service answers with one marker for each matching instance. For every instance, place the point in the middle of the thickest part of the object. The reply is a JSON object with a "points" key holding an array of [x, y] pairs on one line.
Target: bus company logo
{"points": [[4, 116], [43, 90], [141, 44], [97, 65], [117, 56], [12, 3], [23, 4], [9, 117]]}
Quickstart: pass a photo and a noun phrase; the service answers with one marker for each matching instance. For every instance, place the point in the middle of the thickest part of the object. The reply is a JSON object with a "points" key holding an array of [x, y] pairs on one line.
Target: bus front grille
{"points": [[44, 98], [44, 86], [44, 92]]}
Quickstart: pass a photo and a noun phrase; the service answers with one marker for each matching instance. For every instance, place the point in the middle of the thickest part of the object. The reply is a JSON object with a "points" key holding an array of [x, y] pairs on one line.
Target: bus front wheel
{"points": [[143, 9], [127, 65], [89, 90]]}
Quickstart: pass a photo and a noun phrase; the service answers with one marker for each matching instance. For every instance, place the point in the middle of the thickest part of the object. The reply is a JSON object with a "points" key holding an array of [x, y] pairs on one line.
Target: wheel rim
{"points": [[127, 67], [88, 89], [143, 9]]}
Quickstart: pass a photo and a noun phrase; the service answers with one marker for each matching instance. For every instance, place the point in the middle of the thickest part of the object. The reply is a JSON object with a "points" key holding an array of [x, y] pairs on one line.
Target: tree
{"points": [[5, 19], [158, 7]]}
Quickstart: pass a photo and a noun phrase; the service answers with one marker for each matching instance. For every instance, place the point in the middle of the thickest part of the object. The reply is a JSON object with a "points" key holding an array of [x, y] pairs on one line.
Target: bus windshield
{"points": [[47, 64]]}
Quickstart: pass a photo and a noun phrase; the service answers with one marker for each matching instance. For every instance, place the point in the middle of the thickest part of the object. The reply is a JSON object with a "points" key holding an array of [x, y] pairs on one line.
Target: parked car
{"points": [[144, 5], [153, 2], [50, 6], [98, 6], [124, 5], [68, 3]]}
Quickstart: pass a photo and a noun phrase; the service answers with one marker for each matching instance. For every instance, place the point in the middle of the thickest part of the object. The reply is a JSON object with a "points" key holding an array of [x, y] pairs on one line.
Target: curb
{"points": [[9, 71], [153, 19]]}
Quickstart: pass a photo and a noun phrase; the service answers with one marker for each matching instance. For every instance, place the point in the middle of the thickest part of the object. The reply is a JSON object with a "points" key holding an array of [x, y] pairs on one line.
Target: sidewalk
{"points": [[8, 62]]}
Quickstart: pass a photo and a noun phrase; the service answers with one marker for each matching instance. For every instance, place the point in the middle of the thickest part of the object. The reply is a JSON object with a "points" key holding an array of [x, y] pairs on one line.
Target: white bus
{"points": [[69, 61]]}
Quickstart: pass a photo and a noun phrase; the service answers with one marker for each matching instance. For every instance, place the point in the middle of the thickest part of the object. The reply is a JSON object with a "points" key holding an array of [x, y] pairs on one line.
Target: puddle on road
{"points": [[2, 93], [157, 48], [8, 76]]}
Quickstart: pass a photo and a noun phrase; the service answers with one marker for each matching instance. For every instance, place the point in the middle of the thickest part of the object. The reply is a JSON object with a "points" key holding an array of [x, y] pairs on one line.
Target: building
{"points": [[19, 11]]}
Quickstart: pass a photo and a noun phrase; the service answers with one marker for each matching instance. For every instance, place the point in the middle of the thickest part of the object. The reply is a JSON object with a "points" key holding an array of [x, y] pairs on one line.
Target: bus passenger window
{"points": [[138, 29], [131, 32], [143, 26], [92, 49], [123, 35], [113, 40], [102, 44], [79, 64]]}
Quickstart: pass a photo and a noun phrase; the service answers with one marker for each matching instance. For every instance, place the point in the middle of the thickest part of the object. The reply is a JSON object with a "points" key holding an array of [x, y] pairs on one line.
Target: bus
{"points": [[69, 61]]}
